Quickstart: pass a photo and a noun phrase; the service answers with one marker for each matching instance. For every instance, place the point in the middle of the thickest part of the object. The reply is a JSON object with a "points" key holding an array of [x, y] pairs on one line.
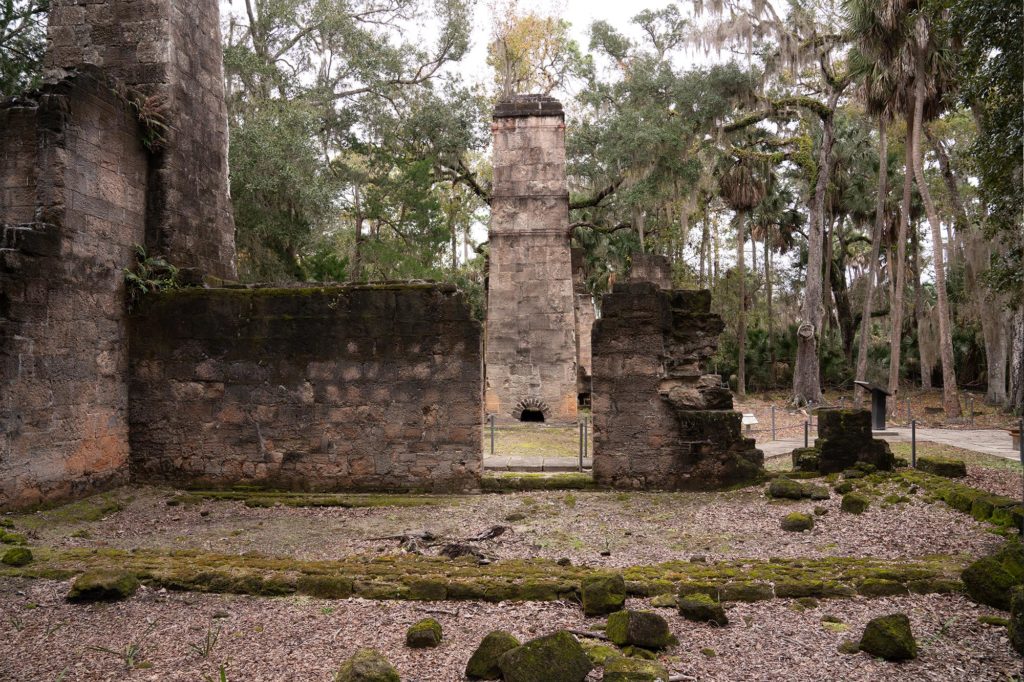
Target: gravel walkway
{"points": [[636, 528], [42, 637]]}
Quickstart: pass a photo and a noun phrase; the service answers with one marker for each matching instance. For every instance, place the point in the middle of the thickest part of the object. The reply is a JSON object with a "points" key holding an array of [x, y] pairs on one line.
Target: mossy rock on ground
{"points": [[639, 628], [880, 587], [102, 586], [603, 594], [425, 634], [634, 670], [889, 637], [797, 522], [939, 466], [990, 580], [843, 487], [367, 665], [702, 609], [854, 503], [1016, 629], [483, 664], [8, 538], [599, 653], [805, 459], [557, 657], [787, 489], [664, 601], [17, 556], [324, 586], [818, 493]]}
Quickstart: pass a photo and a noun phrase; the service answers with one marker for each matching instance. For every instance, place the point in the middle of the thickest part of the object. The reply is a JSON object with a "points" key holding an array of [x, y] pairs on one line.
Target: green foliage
{"points": [[22, 44], [150, 275]]}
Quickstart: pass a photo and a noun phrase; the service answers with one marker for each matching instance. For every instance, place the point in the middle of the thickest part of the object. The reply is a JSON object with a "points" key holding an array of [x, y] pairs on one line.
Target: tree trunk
{"points": [[922, 319], [455, 240], [950, 395], [844, 311], [741, 325], [638, 222], [1016, 399], [806, 380], [960, 219], [900, 282], [992, 309], [357, 246], [771, 316], [876, 244], [704, 247]]}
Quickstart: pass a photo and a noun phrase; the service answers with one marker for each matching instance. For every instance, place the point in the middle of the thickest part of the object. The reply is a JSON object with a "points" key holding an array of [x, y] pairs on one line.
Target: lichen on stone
{"points": [[639, 628], [702, 609], [557, 657], [603, 594], [102, 586], [424, 634], [367, 665], [796, 522], [483, 664], [889, 637]]}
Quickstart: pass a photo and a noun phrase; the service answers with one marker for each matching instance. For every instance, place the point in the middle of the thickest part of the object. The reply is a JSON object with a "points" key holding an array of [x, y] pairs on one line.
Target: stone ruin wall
{"points": [[168, 49], [659, 422], [73, 181], [531, 319], [374, 387]]}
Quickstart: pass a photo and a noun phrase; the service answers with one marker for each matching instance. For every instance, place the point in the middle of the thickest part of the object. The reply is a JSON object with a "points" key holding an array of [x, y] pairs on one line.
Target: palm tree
{"points": [[742, 190]]}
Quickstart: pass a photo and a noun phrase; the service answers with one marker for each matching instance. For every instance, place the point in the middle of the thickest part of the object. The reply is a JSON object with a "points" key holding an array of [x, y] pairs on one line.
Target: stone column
{"points": [[170, 50], [530, 330]]}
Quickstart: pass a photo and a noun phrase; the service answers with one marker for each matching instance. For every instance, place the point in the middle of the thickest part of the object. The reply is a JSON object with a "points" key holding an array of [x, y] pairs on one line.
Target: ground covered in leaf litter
{"points": [[42, 637], [595, 528]]}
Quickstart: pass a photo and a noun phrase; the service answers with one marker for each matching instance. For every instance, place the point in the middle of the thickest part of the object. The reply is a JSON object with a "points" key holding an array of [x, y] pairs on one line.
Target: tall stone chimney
{"points": [[172, 50], [530, 331]]}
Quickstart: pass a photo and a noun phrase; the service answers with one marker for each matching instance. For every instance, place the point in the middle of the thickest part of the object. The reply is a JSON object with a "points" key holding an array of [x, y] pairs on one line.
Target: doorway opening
{"points": [[531, 415]]}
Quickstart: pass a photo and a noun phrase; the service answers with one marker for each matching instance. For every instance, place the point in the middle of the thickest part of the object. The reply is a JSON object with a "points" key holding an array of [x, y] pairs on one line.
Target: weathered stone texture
{"points": [[339, 388], [172, 50], [651, 267], [585, 317], [73, 177], [658, 421], [531, 345], [844, 439]]}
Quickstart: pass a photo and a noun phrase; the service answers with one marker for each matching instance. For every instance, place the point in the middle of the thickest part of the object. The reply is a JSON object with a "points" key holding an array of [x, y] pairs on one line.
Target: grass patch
{"points": [[87, 510], [968, 457], [517, 482], [262, 498]]}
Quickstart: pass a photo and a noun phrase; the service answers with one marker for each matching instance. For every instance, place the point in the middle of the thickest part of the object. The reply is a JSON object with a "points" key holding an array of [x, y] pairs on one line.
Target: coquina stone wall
{"points": [[373, 387], [73, 183], [659, 422], [531, 319], [170, 51]]}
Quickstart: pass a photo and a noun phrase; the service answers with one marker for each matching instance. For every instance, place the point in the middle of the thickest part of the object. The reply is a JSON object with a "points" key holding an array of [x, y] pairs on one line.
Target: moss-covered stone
{"points": [[787, 488], [634, 670], [746, 591], [939, 466], [889, 637], [324, 586], [367, 665], [666, 600], [17, 556], [880, 587], [9, 538], [848, 647], [995, 621], [639, 628], [797, 522], [805, 459], [599, 653], [990, 580], [1016, 629], [425, 634], [854, 503], [702, 609], [483, 664], [843, 487], [102, 586], [819, 492], [603, 594], [557, 657]]}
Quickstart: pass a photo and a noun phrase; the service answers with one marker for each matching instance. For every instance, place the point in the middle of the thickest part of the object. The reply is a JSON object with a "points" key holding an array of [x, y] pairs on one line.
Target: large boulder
{"points": [[557, 657], [634, 670], [603, 594], [990, 580], [424, 634], [103, 586], [889, 637], [483, 664], [367, 665], [639, 628], [702, 608]]}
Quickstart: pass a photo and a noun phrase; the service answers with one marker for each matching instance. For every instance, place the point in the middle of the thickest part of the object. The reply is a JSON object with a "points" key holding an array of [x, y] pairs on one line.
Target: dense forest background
{"points": [[845, 177]]}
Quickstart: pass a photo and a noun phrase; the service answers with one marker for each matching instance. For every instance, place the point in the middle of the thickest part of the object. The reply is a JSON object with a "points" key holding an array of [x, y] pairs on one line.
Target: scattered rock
{"points": [[939, 466], [880, 587], [702, 608], [515, 516], [17, 556], [557, 657], [634, 670], [632, 651], [787, 488], [639, 628], [820, 511], [564, 561], [664, 601], [819, 492], [102, 586], [797, 522], [367, 665], [599, 653], [603, 594], [483, 664], [854, 503], [805, 459], [990, 580], [848, 647], [889, 637], [424, 634], [843, 487], [995, 621]]}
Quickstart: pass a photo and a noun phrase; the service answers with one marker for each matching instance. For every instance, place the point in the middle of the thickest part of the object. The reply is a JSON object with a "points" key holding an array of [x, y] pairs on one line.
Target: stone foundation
{"points": [[659, 423], [73, 182], [373, 387], [844, 439]]}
